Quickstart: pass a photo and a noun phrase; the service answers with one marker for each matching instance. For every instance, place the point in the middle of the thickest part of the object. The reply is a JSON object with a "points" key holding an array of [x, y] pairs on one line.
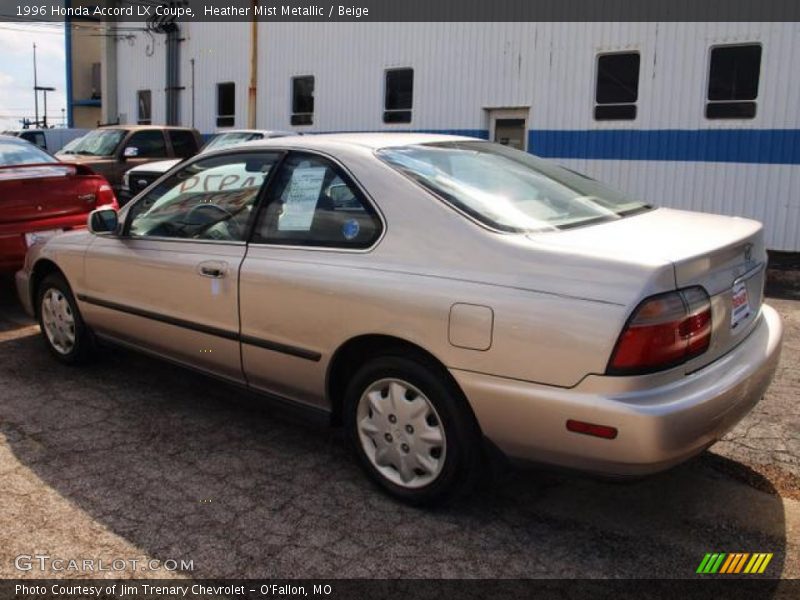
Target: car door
{"points": [[169, 282], [296, 284]]}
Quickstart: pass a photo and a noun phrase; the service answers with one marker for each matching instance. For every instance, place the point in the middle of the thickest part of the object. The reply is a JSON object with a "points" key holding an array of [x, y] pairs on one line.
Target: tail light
{"points": [[664, 331], [105, 196]]}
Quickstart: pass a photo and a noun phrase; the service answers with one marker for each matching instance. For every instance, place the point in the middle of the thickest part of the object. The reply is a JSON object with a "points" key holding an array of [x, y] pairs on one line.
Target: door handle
{"points": [[212, 268]]}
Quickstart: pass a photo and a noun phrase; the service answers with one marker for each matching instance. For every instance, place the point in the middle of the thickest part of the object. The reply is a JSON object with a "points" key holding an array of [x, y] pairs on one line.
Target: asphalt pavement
{"points": [[131, 458]]}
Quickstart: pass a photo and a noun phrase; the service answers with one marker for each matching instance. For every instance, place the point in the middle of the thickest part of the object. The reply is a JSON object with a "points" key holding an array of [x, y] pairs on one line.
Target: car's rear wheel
{"points": [[63, 329], [412, 430]]}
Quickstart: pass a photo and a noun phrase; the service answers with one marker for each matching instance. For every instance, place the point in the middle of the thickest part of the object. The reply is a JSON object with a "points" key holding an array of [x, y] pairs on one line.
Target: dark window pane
{"points": [[397, 116], [303, 94], [617, 78], [312, 203], [734, 72], [399, 90], [226, 104], [150, 144], [730, 110], [615, 112], [35, 138], [183, 143], [144, 102], [301, 119]]}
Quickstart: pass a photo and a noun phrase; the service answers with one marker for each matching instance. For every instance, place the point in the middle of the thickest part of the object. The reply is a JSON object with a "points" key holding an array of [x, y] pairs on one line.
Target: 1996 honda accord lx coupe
{"points": [[430, 293]]}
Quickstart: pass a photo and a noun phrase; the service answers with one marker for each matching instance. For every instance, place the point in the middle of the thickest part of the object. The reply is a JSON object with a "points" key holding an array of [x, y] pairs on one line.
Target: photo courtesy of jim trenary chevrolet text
{"points": [[412, 299]]}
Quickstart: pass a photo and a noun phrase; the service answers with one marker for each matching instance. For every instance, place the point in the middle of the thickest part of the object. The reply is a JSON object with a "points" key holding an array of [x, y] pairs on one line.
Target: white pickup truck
{"points": [[138, 178]]}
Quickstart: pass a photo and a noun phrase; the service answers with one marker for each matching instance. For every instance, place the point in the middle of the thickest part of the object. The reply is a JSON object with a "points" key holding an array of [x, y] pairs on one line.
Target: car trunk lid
{"points": [[34, 192], [724, 255]]}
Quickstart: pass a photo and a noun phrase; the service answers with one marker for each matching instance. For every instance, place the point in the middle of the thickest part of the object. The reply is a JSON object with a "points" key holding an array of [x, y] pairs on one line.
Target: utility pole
{"points": [[192, 61], [252, 91], [44, 89], [35, 88]]}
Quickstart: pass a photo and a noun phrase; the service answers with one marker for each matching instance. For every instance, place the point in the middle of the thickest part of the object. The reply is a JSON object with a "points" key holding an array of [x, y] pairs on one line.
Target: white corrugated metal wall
{"points": [[462, 69], [141, 65]]}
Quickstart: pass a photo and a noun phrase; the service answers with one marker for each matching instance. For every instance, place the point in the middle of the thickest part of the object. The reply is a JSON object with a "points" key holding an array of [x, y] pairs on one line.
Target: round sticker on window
{"points": [[350, 229]]}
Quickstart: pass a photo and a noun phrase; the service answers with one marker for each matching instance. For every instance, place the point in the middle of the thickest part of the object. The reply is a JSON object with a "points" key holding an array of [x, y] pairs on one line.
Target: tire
{"points": [[412, 430], [63, 330]]}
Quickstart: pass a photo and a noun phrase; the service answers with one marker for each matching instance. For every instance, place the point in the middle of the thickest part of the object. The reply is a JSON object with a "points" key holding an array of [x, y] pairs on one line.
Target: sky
{"points": [[16, 71]]}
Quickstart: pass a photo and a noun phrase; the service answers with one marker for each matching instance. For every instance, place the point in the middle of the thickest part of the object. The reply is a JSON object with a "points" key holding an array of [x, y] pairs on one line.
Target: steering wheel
{"points": [[195, 215]]}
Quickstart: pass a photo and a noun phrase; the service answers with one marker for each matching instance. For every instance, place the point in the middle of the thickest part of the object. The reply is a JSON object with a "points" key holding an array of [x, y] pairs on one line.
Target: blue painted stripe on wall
{"points": [[756, 146], [476, 133]]}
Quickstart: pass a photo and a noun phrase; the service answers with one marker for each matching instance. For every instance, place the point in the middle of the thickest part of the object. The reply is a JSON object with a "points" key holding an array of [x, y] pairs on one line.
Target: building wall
{"points": [[221, 54], [86, 117], [669, 155], [141, 65], [83, 42]]}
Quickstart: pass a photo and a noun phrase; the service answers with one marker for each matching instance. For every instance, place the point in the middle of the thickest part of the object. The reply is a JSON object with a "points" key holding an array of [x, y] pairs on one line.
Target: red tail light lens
{"points": [[602, 431], [664, 331], [105, 196]]}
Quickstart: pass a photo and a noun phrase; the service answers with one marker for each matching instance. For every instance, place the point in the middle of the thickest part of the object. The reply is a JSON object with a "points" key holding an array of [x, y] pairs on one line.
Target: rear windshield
{"points": [[100, 142], [22, 153], [223, 140], [508, 189]]}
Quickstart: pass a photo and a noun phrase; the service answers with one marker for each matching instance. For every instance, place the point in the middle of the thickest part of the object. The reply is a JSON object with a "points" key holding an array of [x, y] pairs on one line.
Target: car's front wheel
{"points": [[412, 430], [63, 329]]}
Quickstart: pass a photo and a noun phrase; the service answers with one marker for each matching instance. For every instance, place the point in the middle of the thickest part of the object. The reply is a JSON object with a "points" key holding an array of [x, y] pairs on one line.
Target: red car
{"points": [[40, 197]]}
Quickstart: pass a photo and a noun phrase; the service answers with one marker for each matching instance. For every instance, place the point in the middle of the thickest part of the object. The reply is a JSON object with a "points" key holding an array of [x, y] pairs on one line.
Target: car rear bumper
{"points": [[12, 237], [12, 252], [22, 279], [658, 426]]}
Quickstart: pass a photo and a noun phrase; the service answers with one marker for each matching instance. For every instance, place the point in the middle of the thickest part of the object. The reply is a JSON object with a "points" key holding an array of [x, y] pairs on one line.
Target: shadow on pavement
{"points": [[182, 467]]}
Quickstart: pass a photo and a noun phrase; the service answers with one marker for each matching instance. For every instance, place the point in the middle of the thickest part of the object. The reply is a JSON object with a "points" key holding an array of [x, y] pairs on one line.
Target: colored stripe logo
{"points": [[734, 563]]}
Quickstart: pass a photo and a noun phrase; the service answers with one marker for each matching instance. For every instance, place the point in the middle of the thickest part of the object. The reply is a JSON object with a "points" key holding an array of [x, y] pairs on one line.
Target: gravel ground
{"points": [[132, 458]]}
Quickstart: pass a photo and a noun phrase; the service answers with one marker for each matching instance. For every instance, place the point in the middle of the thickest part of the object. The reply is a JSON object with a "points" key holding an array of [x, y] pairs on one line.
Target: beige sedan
{"points": [[433, 294]]}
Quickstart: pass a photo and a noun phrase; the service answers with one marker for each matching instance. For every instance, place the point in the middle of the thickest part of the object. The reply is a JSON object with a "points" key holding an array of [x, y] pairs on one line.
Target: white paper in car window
{"points": [[300, 198]]}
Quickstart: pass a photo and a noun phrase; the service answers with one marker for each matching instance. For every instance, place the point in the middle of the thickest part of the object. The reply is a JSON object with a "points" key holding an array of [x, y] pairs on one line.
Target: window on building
{"points": [[144, 103], [733, 82], [617, 86], [398, 96], [184, 144], [303, 100], [148, 143], [226, 104]]}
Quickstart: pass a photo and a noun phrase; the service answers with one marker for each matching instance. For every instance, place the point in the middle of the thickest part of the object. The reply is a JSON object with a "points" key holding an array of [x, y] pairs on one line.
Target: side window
{"points": [[148, 143], [302, 100], [617, 86], [211, 199], [398, 96], [226, 104], [184, 143], [35, 137], [733, 82], [312, 203]]}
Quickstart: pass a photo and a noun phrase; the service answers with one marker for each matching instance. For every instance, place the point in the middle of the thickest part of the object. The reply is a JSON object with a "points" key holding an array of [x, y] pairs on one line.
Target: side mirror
{"points": [[103, 220], [130, 152]]}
